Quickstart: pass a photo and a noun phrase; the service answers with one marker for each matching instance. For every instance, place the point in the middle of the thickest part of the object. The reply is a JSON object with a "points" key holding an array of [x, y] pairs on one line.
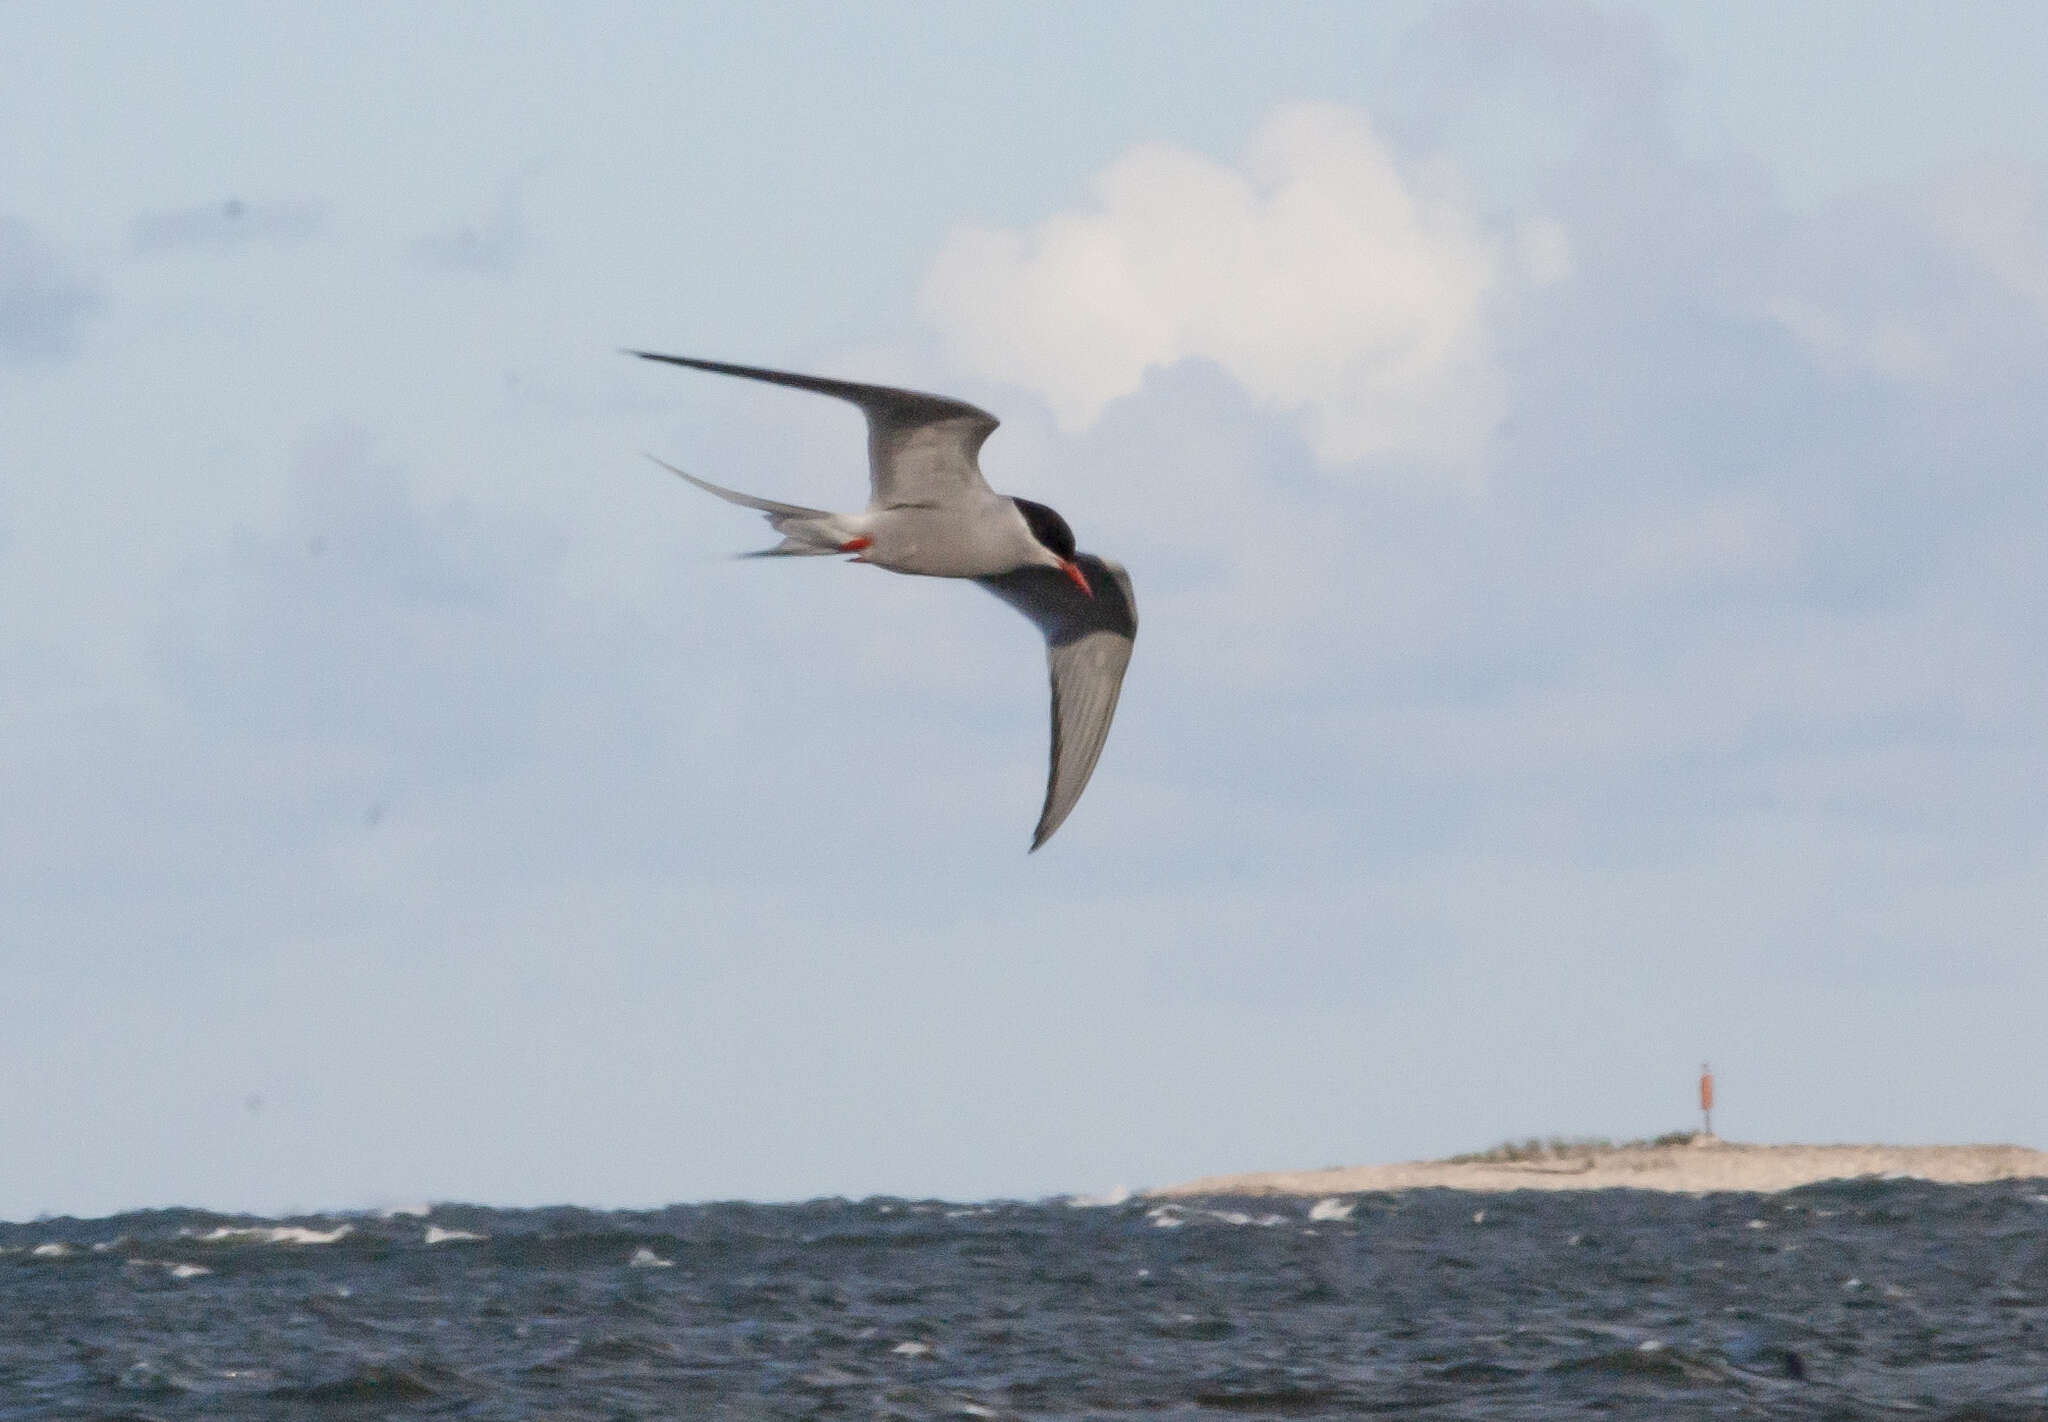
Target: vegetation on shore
{"points": [[1543, 1148]]}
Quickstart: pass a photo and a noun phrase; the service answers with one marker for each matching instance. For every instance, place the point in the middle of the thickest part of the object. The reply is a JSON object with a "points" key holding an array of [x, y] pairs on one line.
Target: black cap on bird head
{"points": [[1047, 527], [1053, 534]]}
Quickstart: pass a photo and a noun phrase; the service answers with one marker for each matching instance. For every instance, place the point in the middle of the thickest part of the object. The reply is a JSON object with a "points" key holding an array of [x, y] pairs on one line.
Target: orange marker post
{"points": [[1707, 1098]]}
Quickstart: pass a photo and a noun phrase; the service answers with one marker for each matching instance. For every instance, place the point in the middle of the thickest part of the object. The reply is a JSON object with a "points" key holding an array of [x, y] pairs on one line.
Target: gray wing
{"points": [[1087, 646], [921, 448]]}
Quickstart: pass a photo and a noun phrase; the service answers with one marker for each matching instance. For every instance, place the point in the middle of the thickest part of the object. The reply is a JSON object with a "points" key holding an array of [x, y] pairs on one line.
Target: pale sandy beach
{"points": [[1699, 1166]]}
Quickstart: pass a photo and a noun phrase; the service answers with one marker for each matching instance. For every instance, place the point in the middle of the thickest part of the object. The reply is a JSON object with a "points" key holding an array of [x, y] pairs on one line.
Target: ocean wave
{"points": [[1665, 1305], [274, 1234], [1172, 1216], [370, 1383]]}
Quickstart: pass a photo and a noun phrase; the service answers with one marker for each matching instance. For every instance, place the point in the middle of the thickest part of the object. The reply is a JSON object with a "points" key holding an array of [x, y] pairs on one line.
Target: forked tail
{"points": [[805, 532]]}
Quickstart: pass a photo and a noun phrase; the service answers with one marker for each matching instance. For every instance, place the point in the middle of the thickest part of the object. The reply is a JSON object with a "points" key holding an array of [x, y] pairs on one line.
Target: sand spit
{"points": [[1700, 1166]]}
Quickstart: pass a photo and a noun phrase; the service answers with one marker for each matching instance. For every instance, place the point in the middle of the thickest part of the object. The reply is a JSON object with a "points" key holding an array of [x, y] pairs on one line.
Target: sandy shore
{"points": [[1701, 1166]]}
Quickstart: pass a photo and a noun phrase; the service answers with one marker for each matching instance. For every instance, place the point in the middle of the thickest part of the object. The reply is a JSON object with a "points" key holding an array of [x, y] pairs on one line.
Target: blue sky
{"points": [[1581, 468]]}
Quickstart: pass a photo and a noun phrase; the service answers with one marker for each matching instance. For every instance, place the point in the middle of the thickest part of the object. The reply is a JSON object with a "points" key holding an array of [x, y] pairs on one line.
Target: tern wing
{"points": [[1087, 647], [921, 448]]}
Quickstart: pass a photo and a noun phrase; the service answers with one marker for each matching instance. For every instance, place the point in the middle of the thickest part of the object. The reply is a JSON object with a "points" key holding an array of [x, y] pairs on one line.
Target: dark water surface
{"points": [[1866, 1299]]}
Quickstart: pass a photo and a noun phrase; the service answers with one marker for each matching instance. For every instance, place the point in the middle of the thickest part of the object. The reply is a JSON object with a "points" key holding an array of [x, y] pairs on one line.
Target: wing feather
{"points": [[921, 448], [1088, 644]]}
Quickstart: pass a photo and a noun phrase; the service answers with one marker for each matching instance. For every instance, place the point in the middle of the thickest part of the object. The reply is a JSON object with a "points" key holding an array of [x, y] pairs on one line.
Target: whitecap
{"points": [[50, 1251], [911, 1349], [829, 1376], [436, 1235], [274, 1234], [177, 1269], [1332, 1208], [1166, 1217], [645, 1258], [1114, 1195]]}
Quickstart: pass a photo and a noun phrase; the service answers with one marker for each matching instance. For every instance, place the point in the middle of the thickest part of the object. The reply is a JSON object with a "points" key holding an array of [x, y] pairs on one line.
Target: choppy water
{"points": [[1842, 1301]]}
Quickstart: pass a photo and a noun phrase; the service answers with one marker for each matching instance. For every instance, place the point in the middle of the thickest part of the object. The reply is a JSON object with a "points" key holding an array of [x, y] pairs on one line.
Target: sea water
{"points": [[1863, 1299]]}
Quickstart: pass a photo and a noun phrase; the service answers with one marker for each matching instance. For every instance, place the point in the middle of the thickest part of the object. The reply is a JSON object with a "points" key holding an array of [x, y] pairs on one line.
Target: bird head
{"points": [[1055, 541]]}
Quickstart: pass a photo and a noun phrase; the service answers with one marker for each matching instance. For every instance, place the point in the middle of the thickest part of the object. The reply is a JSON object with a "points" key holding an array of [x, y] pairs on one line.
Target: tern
{"points": [[931, 513]]}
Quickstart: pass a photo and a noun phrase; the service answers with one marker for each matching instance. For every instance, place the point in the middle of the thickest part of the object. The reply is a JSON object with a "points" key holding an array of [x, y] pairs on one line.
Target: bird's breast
{"points": [[976, 542]]}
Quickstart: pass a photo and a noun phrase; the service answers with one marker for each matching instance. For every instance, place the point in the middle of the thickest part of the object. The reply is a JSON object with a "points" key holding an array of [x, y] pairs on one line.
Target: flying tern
{"points": [[931, 513]]}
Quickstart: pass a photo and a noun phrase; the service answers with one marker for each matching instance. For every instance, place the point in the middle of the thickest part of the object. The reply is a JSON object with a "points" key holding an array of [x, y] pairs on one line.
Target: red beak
{"points": [[1073, 570]]}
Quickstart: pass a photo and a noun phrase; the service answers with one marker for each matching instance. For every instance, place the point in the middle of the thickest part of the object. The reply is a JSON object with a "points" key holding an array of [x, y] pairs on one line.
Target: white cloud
{"points": [[1328, 277], [1888, 344], [1943, 281]]}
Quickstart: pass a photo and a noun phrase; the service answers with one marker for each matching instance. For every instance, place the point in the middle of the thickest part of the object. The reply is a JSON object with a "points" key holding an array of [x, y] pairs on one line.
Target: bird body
{"points": [[930, 513]]}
